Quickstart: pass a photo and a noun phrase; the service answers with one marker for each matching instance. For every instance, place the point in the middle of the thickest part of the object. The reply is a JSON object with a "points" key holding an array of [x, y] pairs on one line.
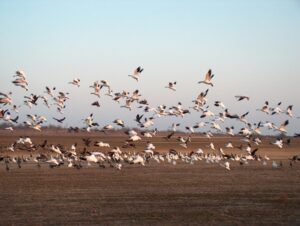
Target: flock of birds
{"points": [[250, 133]]}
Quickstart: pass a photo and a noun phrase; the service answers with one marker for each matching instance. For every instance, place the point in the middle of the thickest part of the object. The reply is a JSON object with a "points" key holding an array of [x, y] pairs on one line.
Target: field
{"points": [[157, 194]]}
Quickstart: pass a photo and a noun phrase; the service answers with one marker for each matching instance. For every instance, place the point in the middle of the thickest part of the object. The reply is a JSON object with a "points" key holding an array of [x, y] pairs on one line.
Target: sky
{"points": [[252, 47]]}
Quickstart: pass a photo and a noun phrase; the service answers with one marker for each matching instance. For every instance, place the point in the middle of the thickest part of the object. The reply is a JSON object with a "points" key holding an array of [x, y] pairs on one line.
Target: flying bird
{"points": [[171, 86], [59, 120], [136, 73], [75, 82], [208, 78], [240, 98]]}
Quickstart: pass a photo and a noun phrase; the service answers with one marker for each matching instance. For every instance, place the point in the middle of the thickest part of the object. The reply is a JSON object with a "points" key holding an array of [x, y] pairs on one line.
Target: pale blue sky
{"points": [[253, 48]]}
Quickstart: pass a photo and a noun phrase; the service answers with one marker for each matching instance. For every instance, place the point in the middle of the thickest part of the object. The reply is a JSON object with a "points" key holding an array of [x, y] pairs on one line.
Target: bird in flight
{"points": [[171, 86], [59, 120], [240, 98], [136, 73], [208, 78], [75, 82]]}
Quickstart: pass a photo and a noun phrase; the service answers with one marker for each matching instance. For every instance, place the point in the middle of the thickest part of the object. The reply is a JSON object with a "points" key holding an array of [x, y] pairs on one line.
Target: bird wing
{"points": [[208, 75]]}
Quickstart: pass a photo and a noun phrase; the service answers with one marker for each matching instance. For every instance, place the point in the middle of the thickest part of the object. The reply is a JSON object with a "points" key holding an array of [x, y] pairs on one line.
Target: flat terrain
{"points": [[157, 194]]}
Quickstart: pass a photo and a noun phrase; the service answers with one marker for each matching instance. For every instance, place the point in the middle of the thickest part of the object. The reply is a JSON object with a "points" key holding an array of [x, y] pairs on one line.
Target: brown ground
{"points": [[157, 194]]}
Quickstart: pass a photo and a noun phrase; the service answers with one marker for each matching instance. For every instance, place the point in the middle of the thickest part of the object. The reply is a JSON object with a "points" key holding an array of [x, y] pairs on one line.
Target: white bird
{"points": [[171, 86], [207, 113], [220, 104], [275, 165], [134, 138], [53, 161], [5, 98], [20, 74], [9, 128], [49, 91], [265, 108], [12, 147], [55, 149], [107, 127], [97, 87], [229, 145], [128, 104], [282, 127], [148, 122], [119, 122], [212, 146], [207, 79], [229, 131], [101, 144], [278, 143], [289, 111], [226, 165], [138, 160], [277, 109], [91, 158], [136, 73], [21, 81], [75, 82], [216, 127]]}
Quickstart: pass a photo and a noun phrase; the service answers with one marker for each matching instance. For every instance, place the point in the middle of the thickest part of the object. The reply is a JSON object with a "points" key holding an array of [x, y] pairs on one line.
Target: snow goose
{"points": [[21, 82], [75, 82], [119, 122], [282, 127], [171, 86], [278, 143], [265, 108], [289, 111], [207, 79], [5, 98], [136, 73], [101, 144], [240, 98]]}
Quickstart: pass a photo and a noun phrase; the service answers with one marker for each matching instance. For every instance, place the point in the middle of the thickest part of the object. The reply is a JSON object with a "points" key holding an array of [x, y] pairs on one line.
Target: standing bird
{"points": [[208, 78], [136, 73]]}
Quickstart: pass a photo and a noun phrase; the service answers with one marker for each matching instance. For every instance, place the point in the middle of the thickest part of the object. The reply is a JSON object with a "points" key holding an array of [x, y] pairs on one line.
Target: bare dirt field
{"points": [[157, 194]]}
